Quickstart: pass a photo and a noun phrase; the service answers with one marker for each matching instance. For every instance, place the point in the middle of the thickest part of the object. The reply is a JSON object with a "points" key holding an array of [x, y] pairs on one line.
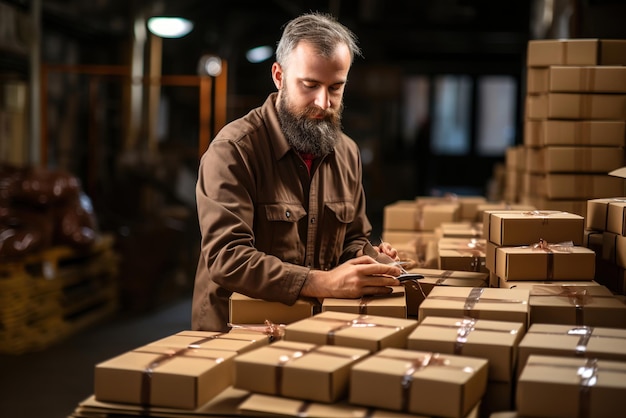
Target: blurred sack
{"points": [[40, 208]]}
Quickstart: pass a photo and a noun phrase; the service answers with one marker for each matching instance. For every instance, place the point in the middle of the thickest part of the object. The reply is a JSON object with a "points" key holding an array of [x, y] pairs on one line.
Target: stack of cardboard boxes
{"points": [[574, 122], [605, 232], [465, 349], [519, 312]]}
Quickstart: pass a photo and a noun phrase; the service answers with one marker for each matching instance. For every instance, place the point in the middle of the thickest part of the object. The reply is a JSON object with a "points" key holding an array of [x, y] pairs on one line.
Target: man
{"points": [[280, 200]]}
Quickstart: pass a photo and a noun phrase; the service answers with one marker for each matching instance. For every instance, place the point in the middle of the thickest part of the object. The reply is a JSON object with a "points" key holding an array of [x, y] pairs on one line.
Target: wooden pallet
{"points": [[53, 262], [25, 290], [46, 297], [41, 333]]}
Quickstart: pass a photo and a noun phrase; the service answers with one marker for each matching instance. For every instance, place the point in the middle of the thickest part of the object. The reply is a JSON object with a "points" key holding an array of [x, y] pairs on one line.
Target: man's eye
{"points": [[310, 86]]}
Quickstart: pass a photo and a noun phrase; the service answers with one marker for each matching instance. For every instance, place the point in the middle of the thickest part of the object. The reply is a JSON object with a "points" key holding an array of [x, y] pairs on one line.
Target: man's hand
{"points": [[383, 252], [387, 249], [353, 279]]}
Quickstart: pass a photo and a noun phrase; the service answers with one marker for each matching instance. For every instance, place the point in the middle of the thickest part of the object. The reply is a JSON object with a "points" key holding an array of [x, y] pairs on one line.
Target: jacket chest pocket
{"points": [[277, 231], [337, 217]]}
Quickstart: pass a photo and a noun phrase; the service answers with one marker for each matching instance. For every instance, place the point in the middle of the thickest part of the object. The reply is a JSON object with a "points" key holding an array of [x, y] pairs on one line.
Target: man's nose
{"points": [[322, 99]]}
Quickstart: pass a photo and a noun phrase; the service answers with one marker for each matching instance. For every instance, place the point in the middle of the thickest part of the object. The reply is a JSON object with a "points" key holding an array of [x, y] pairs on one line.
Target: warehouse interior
{"points": [[88, 91]]}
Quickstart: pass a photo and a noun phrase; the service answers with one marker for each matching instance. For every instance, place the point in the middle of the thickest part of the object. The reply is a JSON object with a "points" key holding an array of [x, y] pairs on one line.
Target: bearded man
{"points": [[280, 199]]}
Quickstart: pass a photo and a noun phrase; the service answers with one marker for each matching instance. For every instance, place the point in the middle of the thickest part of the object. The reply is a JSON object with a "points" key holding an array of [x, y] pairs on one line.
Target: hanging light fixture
{"points": [[210, 65], [169, 27], [259, 54]]}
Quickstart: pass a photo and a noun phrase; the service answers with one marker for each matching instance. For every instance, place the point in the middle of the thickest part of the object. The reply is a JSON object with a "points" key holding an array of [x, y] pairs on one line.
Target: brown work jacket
{"points": [[265, 222]]}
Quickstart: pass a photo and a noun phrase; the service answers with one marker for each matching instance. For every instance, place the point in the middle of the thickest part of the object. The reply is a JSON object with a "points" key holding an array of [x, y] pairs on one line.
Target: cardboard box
{"points": [[431, 214], [277, 406], [247, 310], [546, 132], [620, 285], [400, 216], [502, 206], [391, 305], [224, 404], [616, 217], [297, 370], [593, 306], [580, 186], [552, 386], [505, 414], [580, 159], [588, 79], [594, 106], [495, 341], [609, 246], [572, 341], [414, 381], [422, 214], [480, 303], [515, 228], [431, 259], [551, 262], [499, 396], [237, 340], [620, 250], [593, 240], [160, 376], [494, 280], [537, 80], [368, 332], [575, 206], [463, 229], [547, 52], [610, 275], [462, 254], [514, 160], [467, 204], [418, 290], [597, 212], [536, 106], [533, 185], [529, 285], [586, 106], [411, 238]]}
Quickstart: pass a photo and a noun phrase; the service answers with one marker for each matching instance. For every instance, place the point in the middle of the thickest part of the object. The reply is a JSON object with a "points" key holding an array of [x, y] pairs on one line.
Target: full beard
{"points": [[306, 132]]}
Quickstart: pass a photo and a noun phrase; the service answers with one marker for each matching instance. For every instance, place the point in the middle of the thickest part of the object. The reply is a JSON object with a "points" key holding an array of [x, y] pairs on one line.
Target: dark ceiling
{"points": [[406, 33], [389, 31]]}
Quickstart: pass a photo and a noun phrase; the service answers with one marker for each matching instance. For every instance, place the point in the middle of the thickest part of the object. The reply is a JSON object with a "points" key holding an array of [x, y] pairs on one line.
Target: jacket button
{"points": [[312, 220], [288, 214]]}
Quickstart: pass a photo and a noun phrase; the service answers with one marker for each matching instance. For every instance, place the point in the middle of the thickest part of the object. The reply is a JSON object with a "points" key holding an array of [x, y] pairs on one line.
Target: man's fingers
{"points": [[379, 280], [381, 269], [364, 259]]}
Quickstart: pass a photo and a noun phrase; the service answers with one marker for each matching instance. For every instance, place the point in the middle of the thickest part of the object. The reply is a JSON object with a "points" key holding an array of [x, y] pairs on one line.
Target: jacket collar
{"points": [[279, 142]]}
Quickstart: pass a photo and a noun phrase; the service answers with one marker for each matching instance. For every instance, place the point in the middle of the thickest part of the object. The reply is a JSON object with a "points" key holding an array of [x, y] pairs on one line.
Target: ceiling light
{"points": [[259, 54], [210, 65], [169, 27]]}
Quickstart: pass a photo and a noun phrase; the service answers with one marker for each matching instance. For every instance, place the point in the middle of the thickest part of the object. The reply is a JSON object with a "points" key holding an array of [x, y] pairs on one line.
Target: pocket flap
{"points": [[344, 211], [286, 212]]}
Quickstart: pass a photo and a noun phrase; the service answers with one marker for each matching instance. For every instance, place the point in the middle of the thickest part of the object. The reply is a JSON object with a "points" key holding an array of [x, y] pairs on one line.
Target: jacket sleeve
{"points": [[225, 195]]}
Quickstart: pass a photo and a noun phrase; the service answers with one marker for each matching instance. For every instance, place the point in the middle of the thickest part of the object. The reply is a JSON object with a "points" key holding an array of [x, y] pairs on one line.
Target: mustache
{"points": [[330, 115]]}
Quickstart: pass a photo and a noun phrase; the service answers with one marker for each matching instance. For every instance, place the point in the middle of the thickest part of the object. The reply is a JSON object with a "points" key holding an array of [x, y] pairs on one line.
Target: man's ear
{"points": [[277, 75]]}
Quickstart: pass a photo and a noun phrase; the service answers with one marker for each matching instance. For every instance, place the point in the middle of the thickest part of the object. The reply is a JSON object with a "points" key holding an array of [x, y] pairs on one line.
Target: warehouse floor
{"points": [[51, 383]]}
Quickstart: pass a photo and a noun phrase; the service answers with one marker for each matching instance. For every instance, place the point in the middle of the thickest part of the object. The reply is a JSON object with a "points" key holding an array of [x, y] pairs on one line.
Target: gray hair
{"points": [[321, 30]]}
